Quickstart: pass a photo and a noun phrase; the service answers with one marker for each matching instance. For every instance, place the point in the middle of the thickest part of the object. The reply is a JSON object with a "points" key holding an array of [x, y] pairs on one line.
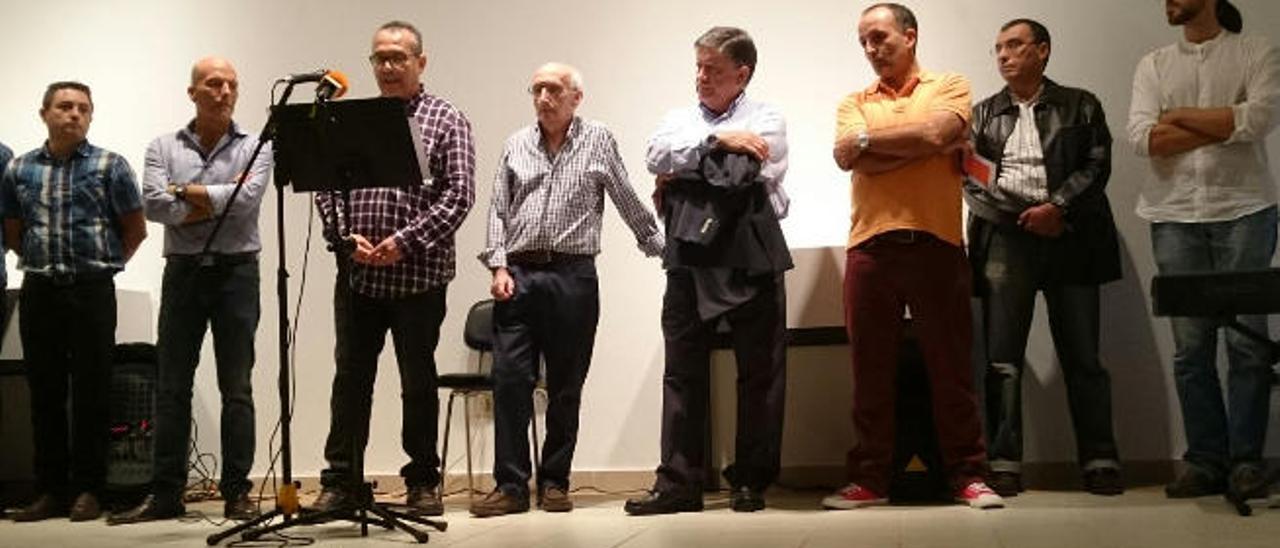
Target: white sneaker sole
{"points": [[834, 502]]}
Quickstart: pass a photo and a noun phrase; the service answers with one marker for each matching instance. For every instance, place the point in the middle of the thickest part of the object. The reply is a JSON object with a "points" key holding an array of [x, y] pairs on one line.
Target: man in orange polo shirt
{"points": [[902, 138]]}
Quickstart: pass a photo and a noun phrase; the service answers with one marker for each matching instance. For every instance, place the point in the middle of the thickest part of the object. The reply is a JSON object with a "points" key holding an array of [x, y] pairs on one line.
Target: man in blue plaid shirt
{"points": [[73, 214]]}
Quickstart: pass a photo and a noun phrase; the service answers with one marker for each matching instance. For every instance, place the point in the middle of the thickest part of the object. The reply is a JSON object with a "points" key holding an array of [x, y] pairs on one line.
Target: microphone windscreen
{"points": [[339, 81]]}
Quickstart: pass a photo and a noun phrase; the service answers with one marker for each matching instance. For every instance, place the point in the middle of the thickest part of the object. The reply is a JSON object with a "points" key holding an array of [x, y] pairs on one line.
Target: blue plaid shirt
{"points": [[5, 156], [70, 209]]}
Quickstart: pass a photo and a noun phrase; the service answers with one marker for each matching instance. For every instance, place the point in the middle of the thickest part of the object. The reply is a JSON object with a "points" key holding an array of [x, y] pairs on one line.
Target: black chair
{"points": [[478, 336]]}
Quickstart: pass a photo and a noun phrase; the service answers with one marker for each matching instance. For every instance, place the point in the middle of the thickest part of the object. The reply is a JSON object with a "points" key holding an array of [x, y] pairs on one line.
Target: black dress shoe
{"points": [[424, 500], [1103, 481], [1005, 484], [240, 508], [664, 502], [746, 499], [85, 508], [152, 508], [44, 507]]}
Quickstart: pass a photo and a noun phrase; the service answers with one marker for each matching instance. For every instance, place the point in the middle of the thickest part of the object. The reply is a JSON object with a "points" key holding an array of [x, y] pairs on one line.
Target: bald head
{"points": [[557, 91], [214, 89], [568, 75], [208, 64]]}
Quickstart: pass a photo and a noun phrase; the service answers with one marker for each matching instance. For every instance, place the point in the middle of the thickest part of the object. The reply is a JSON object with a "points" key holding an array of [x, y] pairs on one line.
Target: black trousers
{"points": [[68, 332], [361, 324], [758, 332], [552, 317]]}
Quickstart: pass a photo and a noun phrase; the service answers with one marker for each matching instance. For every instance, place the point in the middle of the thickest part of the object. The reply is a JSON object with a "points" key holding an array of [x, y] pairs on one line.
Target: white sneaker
{"points": [[853, 496], [978, 495]]}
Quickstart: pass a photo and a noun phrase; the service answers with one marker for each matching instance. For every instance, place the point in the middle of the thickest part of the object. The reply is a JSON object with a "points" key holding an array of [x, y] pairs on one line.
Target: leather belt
{"points": [[905, 236], [542, 257]]}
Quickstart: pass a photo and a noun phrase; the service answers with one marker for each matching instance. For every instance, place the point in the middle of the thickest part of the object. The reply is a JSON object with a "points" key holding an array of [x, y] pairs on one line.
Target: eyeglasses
{"points": [[554, 90], [396, 60], [1012, 46]]}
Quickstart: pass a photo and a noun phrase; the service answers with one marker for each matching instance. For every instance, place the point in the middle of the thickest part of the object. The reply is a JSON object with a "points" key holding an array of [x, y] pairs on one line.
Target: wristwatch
{"points": [[864, 140], [180, 192]]}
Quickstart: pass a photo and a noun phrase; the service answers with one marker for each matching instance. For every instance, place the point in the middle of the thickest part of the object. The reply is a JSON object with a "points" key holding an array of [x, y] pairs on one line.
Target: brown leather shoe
{"points": [[86, 508], [240, 508], [424, 501], [498, 503], [555, 499], [44, 507]]}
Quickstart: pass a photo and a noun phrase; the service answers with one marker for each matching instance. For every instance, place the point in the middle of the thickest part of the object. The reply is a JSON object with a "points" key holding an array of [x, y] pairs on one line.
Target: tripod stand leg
{"points": [[220, 536]]}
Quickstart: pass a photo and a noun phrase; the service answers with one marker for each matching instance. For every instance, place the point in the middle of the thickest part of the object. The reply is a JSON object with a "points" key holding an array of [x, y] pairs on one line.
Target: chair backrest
{"points": [[478, 332]]}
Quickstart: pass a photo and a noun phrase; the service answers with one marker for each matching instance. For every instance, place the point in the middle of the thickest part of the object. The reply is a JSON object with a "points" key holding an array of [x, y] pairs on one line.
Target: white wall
{"points": [[638, 63]]}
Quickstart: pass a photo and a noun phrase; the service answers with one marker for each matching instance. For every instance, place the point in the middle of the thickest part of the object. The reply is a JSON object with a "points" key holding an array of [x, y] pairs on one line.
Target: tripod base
{"points": [[365, 512]]}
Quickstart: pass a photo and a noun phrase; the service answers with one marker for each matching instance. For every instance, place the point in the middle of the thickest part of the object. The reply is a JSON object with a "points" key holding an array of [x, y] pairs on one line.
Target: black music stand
{"points": [[336, 147]]}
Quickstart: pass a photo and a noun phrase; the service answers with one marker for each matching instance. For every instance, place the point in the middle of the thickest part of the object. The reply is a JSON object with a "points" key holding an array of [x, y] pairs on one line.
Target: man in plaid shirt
{"points": [[543, 236], [395, 279]]}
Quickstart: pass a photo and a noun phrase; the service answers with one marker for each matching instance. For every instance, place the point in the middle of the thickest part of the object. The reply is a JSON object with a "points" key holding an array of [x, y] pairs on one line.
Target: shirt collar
{"points": [[733, 107], [575, 127], [1205, 46], [921, 77], [417, 99], [82, 150], [189, 131]]}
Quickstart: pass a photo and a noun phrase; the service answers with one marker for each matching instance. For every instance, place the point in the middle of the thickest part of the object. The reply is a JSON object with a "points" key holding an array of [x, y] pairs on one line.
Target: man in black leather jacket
{"points": [[1042, 223]]}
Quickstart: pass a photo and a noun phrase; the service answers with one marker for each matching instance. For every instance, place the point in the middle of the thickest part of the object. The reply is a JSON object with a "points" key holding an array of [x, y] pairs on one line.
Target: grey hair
{"points": [[734, 43]]}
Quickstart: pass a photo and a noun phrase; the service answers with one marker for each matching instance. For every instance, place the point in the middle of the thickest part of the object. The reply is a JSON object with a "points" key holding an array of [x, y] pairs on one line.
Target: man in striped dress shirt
{"points": [[1043, 225], [543, 236]]}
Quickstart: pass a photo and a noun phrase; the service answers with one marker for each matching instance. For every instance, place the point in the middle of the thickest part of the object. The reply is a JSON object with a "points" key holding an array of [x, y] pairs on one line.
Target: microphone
{"points": [[332, 86], [303, 77]]}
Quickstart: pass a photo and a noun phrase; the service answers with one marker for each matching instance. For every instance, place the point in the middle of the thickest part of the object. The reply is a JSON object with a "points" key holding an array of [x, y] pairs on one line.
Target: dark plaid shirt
{"points": [[422, 219]]}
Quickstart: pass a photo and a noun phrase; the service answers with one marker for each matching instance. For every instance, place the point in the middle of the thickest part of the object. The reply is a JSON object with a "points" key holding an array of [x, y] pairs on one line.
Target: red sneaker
{"points": [[978, 495], [853, 496]]}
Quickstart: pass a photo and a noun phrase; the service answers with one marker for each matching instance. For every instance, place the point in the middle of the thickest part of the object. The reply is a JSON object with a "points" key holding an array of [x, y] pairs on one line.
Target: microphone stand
{"points": [[287, 500]]}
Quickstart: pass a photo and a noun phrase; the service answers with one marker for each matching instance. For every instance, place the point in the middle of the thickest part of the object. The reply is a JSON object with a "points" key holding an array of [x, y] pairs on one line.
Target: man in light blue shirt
{"points": [[726, 121], [190, 181]]}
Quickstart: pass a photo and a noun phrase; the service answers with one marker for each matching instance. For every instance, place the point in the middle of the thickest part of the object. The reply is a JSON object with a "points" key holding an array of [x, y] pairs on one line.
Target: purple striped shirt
{"points": [[422, 219]]}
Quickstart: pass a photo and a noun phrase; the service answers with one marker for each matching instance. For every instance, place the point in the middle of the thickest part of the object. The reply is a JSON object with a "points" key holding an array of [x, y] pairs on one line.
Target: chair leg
{"points": [[466, 421], [444, 453], [533, 423]]}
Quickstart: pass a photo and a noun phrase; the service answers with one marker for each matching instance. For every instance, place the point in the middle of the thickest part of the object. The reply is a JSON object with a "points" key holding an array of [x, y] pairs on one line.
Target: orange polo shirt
{"points": [[923, 195]]}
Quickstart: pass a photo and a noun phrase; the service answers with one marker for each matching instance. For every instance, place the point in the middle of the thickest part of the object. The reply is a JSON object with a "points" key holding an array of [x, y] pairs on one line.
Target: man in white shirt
{"points": [[1202, 109]]}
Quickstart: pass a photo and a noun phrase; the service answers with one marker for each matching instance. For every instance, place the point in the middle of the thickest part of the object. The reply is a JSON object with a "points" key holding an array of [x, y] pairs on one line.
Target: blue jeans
{"points": [[1017, 267], [193, 298], [1219, 434]]}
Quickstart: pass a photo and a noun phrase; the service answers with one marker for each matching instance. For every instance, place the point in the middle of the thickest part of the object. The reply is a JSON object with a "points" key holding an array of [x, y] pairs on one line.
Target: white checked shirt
{"points": [[555, 203], [1217, 182]]}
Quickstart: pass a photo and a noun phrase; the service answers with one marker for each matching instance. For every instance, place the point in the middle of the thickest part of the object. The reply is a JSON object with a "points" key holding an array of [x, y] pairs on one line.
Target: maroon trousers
{"points": [[930, 277]]}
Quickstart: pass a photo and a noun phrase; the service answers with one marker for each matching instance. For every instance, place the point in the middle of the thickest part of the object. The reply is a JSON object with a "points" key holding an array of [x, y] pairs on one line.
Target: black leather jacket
{"points": [[1077, 156]]}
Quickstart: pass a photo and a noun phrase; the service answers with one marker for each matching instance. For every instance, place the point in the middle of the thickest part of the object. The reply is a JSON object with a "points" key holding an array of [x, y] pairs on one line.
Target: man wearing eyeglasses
{"points": [[1201, 112], [543, 236], [401, 243], [1042, 223]]}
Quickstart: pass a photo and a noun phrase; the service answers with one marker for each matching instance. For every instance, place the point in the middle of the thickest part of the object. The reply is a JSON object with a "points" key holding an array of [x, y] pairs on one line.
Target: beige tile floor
{"points": [[1037, 519]]}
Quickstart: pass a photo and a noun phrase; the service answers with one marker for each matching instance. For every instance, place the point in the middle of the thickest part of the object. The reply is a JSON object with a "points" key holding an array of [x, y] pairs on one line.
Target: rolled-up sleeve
{"points": [[255, 183], [158, 204]]}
